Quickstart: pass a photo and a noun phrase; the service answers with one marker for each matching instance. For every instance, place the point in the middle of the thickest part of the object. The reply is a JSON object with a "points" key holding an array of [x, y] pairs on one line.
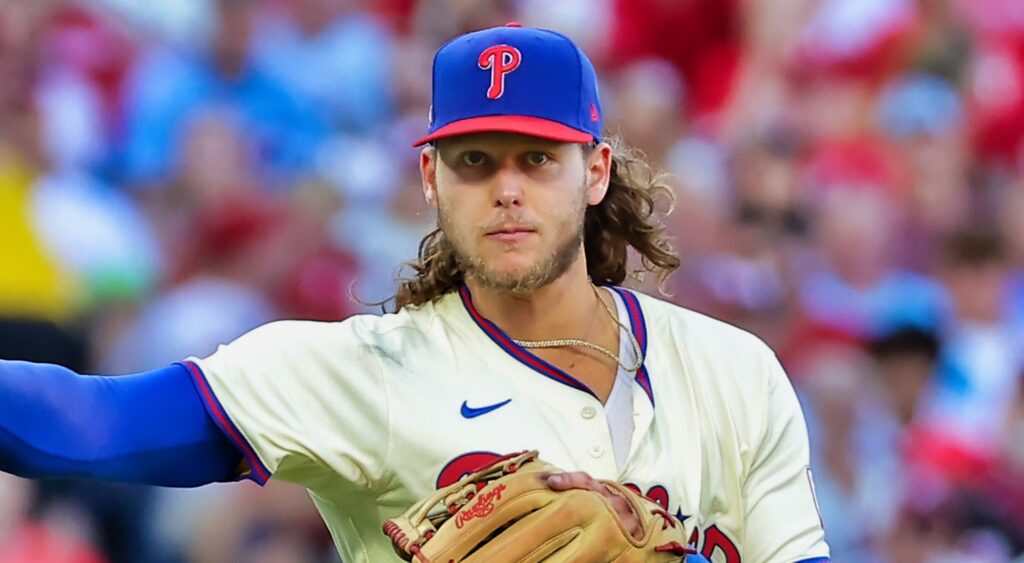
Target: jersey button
{"points": [[596, 450], [588, 412]]}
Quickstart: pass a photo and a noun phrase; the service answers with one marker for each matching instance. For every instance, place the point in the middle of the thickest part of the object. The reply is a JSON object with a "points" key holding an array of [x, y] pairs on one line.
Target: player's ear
{"points": [[598, 169], [428, 174]]}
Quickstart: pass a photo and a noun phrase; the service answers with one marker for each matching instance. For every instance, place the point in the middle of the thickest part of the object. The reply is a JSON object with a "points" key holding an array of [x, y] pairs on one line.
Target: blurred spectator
{"points": [[178, 22], [322, 271], [23, 540], [647, 101], [438, 21], [33, 283], [906, 361], [855, 445], [1011, 223], [587, 22], [923, 116], [699, 38], [97, 234], [995, 77], [167, 88], [222, 298], [277, 524], [84, 57], [393, 208], [746, 276], [698, 168], [859, 38], [980, 368], [334, 59], [856, 290]]}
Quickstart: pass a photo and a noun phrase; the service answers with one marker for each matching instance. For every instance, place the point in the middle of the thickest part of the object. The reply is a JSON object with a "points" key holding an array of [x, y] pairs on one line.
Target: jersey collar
{"points": [[534, 362]]}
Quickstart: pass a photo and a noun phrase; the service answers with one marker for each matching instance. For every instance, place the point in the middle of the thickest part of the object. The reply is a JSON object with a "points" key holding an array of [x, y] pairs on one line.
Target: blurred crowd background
{"points": [[850, 182]]}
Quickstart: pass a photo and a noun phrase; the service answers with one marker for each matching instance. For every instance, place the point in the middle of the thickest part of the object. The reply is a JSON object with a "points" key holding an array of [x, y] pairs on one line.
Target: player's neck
{"points": [[561, 309]]}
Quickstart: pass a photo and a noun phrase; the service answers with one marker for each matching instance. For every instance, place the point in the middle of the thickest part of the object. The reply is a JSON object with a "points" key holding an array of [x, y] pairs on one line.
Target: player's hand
{"points": [[581, 480]]}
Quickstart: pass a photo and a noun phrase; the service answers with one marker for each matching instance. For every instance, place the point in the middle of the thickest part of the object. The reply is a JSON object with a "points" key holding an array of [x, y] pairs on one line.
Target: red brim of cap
{"points": [[522, 124]]}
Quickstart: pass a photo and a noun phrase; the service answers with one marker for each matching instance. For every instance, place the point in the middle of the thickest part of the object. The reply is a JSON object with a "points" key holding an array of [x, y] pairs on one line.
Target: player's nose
{"points": [[508, 186]]}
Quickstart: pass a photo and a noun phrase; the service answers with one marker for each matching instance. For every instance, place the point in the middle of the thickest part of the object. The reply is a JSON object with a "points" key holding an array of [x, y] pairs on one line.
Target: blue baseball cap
{"points": [[514, 79]]}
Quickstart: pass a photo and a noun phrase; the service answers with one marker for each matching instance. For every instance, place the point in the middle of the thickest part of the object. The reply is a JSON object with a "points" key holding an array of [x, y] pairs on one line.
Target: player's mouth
{"points": [[510, 233]]}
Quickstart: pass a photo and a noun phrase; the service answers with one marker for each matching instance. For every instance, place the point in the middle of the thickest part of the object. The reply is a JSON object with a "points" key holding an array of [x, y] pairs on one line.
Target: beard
{"points": [[551, 265]]}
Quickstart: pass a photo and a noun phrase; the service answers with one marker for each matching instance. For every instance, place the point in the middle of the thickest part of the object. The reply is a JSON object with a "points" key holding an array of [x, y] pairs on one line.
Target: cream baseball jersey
{"points": [[374, 412]]}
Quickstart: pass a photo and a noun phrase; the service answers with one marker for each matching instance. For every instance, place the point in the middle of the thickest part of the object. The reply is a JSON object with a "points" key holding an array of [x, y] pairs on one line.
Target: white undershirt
{"points": [[618, 408]]}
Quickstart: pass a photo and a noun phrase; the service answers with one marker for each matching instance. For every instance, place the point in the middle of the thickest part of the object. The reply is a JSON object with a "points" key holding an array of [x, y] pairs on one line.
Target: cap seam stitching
{"points": [[579, 82]]}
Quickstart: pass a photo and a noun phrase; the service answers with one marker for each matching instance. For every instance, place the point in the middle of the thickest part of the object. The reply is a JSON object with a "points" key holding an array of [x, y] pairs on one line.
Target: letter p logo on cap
{"points": [[501, 60]]}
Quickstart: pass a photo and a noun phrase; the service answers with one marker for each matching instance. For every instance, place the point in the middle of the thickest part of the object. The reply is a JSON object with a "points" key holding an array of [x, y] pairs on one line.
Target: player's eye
{"points": [[473, 158], [537, 158]]}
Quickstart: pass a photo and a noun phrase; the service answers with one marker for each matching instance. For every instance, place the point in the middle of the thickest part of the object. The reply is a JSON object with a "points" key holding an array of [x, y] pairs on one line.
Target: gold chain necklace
{"points": [[560, 342]]}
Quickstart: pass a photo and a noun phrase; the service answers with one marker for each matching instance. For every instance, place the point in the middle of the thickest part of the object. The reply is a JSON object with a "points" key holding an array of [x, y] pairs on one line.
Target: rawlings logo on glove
{"points": [[484, 506], [506, 512]]}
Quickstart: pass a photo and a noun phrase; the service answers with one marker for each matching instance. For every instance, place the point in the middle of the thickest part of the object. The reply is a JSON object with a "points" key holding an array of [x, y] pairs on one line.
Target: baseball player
{"points": [[512, 335]]}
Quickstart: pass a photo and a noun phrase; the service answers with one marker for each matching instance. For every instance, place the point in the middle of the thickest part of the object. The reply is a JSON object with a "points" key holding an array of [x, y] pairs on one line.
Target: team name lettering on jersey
{"points": [[714, 538]]}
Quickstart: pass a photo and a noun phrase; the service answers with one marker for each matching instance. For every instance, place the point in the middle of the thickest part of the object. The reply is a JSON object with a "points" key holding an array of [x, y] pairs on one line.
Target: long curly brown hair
{"points": [[629, 216]]}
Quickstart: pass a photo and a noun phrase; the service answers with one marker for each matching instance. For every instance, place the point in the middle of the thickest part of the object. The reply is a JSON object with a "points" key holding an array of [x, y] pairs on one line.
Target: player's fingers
{"points": [[581, 480], [573, 480], [625, 512]]}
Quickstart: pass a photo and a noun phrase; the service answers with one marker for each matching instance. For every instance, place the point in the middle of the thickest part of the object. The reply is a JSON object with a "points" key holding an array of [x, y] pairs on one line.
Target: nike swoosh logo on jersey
{"points": [[470, 412]]}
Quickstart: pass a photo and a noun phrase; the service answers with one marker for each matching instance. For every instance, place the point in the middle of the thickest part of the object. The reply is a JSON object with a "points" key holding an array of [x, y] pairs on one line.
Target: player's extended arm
{"points": [[147, 428]]}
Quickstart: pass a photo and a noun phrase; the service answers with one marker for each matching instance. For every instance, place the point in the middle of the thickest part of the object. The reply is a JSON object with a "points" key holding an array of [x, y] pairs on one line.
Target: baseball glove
{"points": [[506, 512]]}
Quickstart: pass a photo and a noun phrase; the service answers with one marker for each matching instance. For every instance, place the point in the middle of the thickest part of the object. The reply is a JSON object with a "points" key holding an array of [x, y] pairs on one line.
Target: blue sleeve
{"points": [[149, 428]]}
